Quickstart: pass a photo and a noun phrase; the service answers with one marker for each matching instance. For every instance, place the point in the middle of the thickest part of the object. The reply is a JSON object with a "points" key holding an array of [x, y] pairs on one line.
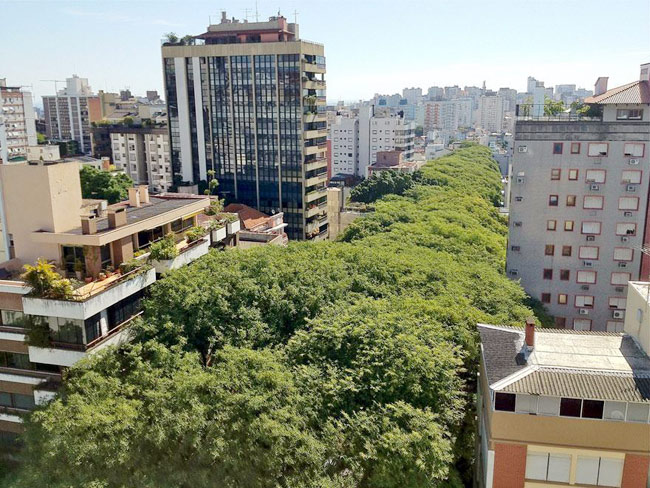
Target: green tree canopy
{"points": [[111, 186], [383, 183]]}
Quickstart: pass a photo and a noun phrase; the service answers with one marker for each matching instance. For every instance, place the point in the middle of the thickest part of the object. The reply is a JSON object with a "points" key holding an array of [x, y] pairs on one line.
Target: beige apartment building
{"points": [[105, 250], [579, 205], [248, 100], [562, 408]]}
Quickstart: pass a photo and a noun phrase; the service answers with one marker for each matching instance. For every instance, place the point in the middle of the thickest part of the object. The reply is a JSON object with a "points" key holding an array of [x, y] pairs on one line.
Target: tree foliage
{"points": [[96, 183], [383, 183], [341, 365]]}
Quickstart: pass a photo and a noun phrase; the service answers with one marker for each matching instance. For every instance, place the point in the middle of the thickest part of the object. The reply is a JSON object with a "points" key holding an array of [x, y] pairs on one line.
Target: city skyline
{"points": [[437, 50]]}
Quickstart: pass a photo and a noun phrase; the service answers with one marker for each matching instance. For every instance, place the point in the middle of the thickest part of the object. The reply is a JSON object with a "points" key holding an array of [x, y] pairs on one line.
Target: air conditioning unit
{"points": [[584, 287], [521, 180], [630, 188], [618, 314], [523, 149], [591, 238], [594, 187], [588, 264], [625, 238], [627, 214], [513, 272], [584, 311], [622, 265], [634, 161], [619, 289]]}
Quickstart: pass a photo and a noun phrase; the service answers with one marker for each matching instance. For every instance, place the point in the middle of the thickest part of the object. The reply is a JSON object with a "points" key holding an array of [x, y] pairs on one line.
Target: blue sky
{"points": [[371, 46]]}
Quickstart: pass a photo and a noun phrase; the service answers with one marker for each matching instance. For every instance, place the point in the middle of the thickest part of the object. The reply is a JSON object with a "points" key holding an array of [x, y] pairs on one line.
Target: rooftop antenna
{"points": [[246, 10], [295, 16], [257, 14]]}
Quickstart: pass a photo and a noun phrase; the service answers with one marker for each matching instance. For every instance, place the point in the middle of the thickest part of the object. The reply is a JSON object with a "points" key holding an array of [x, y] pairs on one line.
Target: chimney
{"points": [[530, 333], [106, 163], [116, 217], [644, 74], [88, 224], [134, 197], [143, 190], [601, 85]]}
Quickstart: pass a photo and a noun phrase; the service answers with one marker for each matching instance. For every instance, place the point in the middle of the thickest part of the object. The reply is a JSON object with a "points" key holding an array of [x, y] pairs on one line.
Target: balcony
{"points": [[315, 164], [312, 67], [315, 149], [314, 133], [311, 117], [316, 209], [93, 297], [315, 194], [187, 253], [313, 84], [315, 180]]}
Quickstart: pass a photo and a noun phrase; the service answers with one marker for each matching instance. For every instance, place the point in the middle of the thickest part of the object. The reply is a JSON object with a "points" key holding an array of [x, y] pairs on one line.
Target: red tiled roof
{"points": [[250, 217], [635, 92]]}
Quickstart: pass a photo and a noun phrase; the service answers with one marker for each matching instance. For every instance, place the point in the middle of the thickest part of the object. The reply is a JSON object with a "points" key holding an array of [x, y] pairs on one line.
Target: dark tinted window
{"points": [[592, 409], [570, 407], [504, 402]]}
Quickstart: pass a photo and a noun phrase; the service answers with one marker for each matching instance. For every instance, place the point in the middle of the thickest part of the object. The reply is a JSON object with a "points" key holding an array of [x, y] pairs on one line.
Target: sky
{"points": [[378, 46]]}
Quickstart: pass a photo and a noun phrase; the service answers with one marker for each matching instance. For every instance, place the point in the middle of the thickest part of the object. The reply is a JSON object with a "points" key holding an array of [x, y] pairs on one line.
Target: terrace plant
{"points": [[195, 233], [45, 281], [163, 249]]}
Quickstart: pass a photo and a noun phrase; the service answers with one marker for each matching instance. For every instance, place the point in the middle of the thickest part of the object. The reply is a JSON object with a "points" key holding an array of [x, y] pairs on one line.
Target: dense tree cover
{"points": [[383, 183], [107, 185], [346, 364]]}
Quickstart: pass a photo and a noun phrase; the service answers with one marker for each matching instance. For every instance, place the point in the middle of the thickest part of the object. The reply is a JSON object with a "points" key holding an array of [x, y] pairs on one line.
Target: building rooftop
{"points": [[595, 365], [249, 216], [635, 92]]}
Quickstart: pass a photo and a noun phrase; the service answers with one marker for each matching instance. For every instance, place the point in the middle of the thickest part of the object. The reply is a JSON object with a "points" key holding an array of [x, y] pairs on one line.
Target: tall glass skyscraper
{"points": [[247, 100]]}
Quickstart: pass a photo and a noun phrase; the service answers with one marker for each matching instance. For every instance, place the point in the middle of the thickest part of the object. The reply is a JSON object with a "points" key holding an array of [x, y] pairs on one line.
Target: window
{"points": [[562, 299], [573, 174], [617, 302], [593, 202], [628, 203], [556, 173], [598, 149], [568, 225], [614, 411], [591, 227], [595, 176], [620, 279], [592, 409], [637, 412], [588, 252], [575, 148], [548, 274], [581, 324], [504, 402], [626, 229], [584, 301], [565, 274], [599, 471], [16, 400], [632, 176], [552, 200], [548, 406], [570, 407], [634, 149], [560, 322], [548, 467], [551, 224], [623, 254], [557, 148], [566, 251], [546, 298], [549, 250], [12, 318], [629, 114], [588, 277], [570, 200], [526, 403]]}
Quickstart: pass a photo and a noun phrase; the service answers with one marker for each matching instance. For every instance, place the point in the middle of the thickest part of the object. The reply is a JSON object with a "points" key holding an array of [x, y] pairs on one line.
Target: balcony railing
{"points": [[85, 292], [530, 111]]}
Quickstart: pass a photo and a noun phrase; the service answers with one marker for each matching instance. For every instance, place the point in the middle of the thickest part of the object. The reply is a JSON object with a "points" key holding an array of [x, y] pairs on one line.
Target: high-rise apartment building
{"points": [[579, 206], [69, 113], [247, 100], [490, 113], [412, 95], [442, 114], [344, 135], [17, 122]]}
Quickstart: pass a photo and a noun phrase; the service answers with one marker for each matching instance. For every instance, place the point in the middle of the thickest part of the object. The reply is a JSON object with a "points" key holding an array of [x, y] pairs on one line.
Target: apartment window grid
{"points": [[222, 127], [174, 131]]}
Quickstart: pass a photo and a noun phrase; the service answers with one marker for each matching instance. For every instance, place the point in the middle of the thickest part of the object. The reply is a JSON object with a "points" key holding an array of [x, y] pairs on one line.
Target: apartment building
{"points": [[562, 408], [490, 113], [344, 137], [248, 101], [579, 206], [68, 114], [442, 115], [105, 248], [17, 122], [382, 130], [143, 153]]}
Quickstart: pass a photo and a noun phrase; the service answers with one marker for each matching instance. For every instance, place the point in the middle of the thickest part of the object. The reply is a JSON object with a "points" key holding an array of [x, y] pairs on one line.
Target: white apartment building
{"points": [[344, 135], [442, 114], [380, 130], [143, 154], [465, 109], [70, 111], [579, 207], [17, 123], [412, 95], [490, 113]]}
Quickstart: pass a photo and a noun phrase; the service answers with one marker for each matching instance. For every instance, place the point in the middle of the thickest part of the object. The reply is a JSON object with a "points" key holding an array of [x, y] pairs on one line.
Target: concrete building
{"points": [[95, 243], [490, 113], [393, 160], [412, 95], [579, 207], [249, 103], [435, 93], [143, 154], [344, 136], [259, 229], [562, 408], [69, 113], [443, 114], [509, 96], [380, 130], [17, 122]]}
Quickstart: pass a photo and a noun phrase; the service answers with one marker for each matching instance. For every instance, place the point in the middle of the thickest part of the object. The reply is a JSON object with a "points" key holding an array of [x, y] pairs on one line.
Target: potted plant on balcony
{"points": [[195, 233], [164, 249], [46, 282], [78, 268]]}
